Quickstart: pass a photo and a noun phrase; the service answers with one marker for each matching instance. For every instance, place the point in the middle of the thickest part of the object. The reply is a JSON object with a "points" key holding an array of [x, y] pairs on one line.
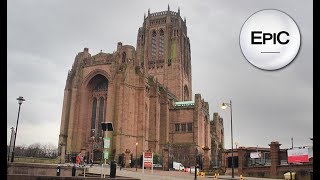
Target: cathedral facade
{"points": [[145, 92]]}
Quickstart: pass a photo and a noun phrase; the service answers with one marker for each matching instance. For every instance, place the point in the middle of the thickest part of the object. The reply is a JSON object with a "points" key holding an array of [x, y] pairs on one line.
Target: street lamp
{"points": [[60, 150], [224, 106], [20, 100], [195, 168], [136, 156]]}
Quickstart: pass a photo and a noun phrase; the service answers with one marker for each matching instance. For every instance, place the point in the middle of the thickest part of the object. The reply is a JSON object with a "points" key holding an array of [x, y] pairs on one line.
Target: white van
{"points": [[178, 166]]}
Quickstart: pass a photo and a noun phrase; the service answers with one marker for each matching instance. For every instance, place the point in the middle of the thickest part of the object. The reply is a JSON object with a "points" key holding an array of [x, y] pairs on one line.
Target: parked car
{"points": [[178, 166], [192, 169], [157, 165]]}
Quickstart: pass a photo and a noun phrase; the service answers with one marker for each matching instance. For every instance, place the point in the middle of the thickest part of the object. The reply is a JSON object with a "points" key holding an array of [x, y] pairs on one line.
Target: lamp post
{"points": [[10, 145], [136, 156], [224, 106], [195, 168], [20, 100], [92, 140], [60, 150]]}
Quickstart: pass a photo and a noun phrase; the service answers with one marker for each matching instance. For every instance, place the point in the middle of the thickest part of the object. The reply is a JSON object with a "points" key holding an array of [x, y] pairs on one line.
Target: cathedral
{"points": [[145, 92]]}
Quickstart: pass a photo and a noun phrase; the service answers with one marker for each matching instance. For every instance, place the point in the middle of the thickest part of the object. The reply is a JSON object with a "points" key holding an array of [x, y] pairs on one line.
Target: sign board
{"points": [[106, 154], [255, 155], [298, 155], [148, 159], [106, 142]]}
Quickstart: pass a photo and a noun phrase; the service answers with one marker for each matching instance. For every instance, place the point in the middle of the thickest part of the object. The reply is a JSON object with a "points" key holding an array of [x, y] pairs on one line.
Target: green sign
{"points": [[106, 154], [106, 142]]}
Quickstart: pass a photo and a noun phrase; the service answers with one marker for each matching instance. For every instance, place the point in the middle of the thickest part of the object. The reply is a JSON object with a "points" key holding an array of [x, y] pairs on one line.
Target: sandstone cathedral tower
{"points": [[145, 92]]}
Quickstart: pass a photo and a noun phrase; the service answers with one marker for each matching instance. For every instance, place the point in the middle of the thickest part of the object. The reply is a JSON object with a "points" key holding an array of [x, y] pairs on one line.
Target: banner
{"points": [[106, 155], [298, 155], [255, 155], [106, 142], [148, 159]]}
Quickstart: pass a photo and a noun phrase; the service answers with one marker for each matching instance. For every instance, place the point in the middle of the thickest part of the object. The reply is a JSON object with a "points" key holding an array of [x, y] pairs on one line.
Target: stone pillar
{"points": [[165, 163], [206, 159], [275, 161], [62, 153], [241, 159], [127, 158]]}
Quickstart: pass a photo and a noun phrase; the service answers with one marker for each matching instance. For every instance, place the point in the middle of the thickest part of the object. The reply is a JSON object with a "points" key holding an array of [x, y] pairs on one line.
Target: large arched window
{"points": [[161, 44], [93, 117], [101, 113], [98, 87], [102, 86], [153, 46]]}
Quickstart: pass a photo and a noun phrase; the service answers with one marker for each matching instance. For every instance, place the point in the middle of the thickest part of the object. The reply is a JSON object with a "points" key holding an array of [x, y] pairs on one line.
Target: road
{"points": [[160, 175]]}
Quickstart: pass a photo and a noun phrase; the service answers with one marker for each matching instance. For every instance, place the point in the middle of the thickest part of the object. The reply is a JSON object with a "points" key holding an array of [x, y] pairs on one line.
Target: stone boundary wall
{"points": [[302, 171], [29, 177], [36, 169]]}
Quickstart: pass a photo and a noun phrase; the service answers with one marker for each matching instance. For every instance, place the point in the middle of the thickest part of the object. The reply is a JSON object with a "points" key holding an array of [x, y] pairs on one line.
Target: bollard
{"points": [[58, 170], [113, 169], [215, 176], [241, 178], [74, 170]]}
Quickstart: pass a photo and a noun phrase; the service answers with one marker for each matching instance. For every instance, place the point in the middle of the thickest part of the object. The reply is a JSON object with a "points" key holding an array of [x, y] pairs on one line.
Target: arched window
{"points": [[221, 135], [93, 119], [101, 110], [124, 57], [153, 46], [161, 44], [102, 86], [186, 93], [98, 86], [205, 131]]}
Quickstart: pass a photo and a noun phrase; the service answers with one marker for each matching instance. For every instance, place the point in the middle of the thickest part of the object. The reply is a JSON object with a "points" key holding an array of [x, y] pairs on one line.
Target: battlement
{"points": [[164, 13]]}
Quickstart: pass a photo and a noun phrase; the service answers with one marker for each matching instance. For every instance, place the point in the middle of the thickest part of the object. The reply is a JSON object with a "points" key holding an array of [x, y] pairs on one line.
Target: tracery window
{"points": [[99, 87], [161, 44], [153, 46], [93, 119], [103, 86], [101, 110]]}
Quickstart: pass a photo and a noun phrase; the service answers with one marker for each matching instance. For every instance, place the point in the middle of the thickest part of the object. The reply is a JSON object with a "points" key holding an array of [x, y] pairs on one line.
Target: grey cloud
{"points": [[44, 38]]}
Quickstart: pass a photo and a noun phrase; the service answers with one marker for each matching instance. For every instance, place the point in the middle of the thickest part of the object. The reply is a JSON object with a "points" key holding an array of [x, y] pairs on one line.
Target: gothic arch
{"points": [[93, 74], [185, 93], [96, 91]]}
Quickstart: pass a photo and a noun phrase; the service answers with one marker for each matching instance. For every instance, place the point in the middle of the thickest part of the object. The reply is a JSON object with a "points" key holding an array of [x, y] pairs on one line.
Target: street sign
{"points": [[148, 159], [106, 154], [106, 143]]}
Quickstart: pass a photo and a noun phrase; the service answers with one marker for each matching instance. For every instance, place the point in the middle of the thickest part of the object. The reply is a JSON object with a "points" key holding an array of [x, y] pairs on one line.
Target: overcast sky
{"points": [[45, 36]]}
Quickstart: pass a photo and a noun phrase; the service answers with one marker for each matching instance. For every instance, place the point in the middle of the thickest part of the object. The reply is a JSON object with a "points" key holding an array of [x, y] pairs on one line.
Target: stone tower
{"points": [[163, 51]]}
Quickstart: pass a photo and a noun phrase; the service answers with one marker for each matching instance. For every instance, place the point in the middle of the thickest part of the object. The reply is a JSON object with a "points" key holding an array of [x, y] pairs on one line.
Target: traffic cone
{"points": [[241, 178]]}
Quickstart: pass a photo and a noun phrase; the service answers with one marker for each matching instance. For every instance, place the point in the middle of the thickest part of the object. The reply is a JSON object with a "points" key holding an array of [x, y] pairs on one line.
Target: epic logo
{"points": [[268, 36], [270, 39]]}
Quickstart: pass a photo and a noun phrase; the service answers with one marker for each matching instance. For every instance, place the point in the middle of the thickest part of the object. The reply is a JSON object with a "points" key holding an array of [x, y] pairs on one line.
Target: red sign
{"points": [[147, 155], [148, 164], [298, 155], [147, 159]]}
